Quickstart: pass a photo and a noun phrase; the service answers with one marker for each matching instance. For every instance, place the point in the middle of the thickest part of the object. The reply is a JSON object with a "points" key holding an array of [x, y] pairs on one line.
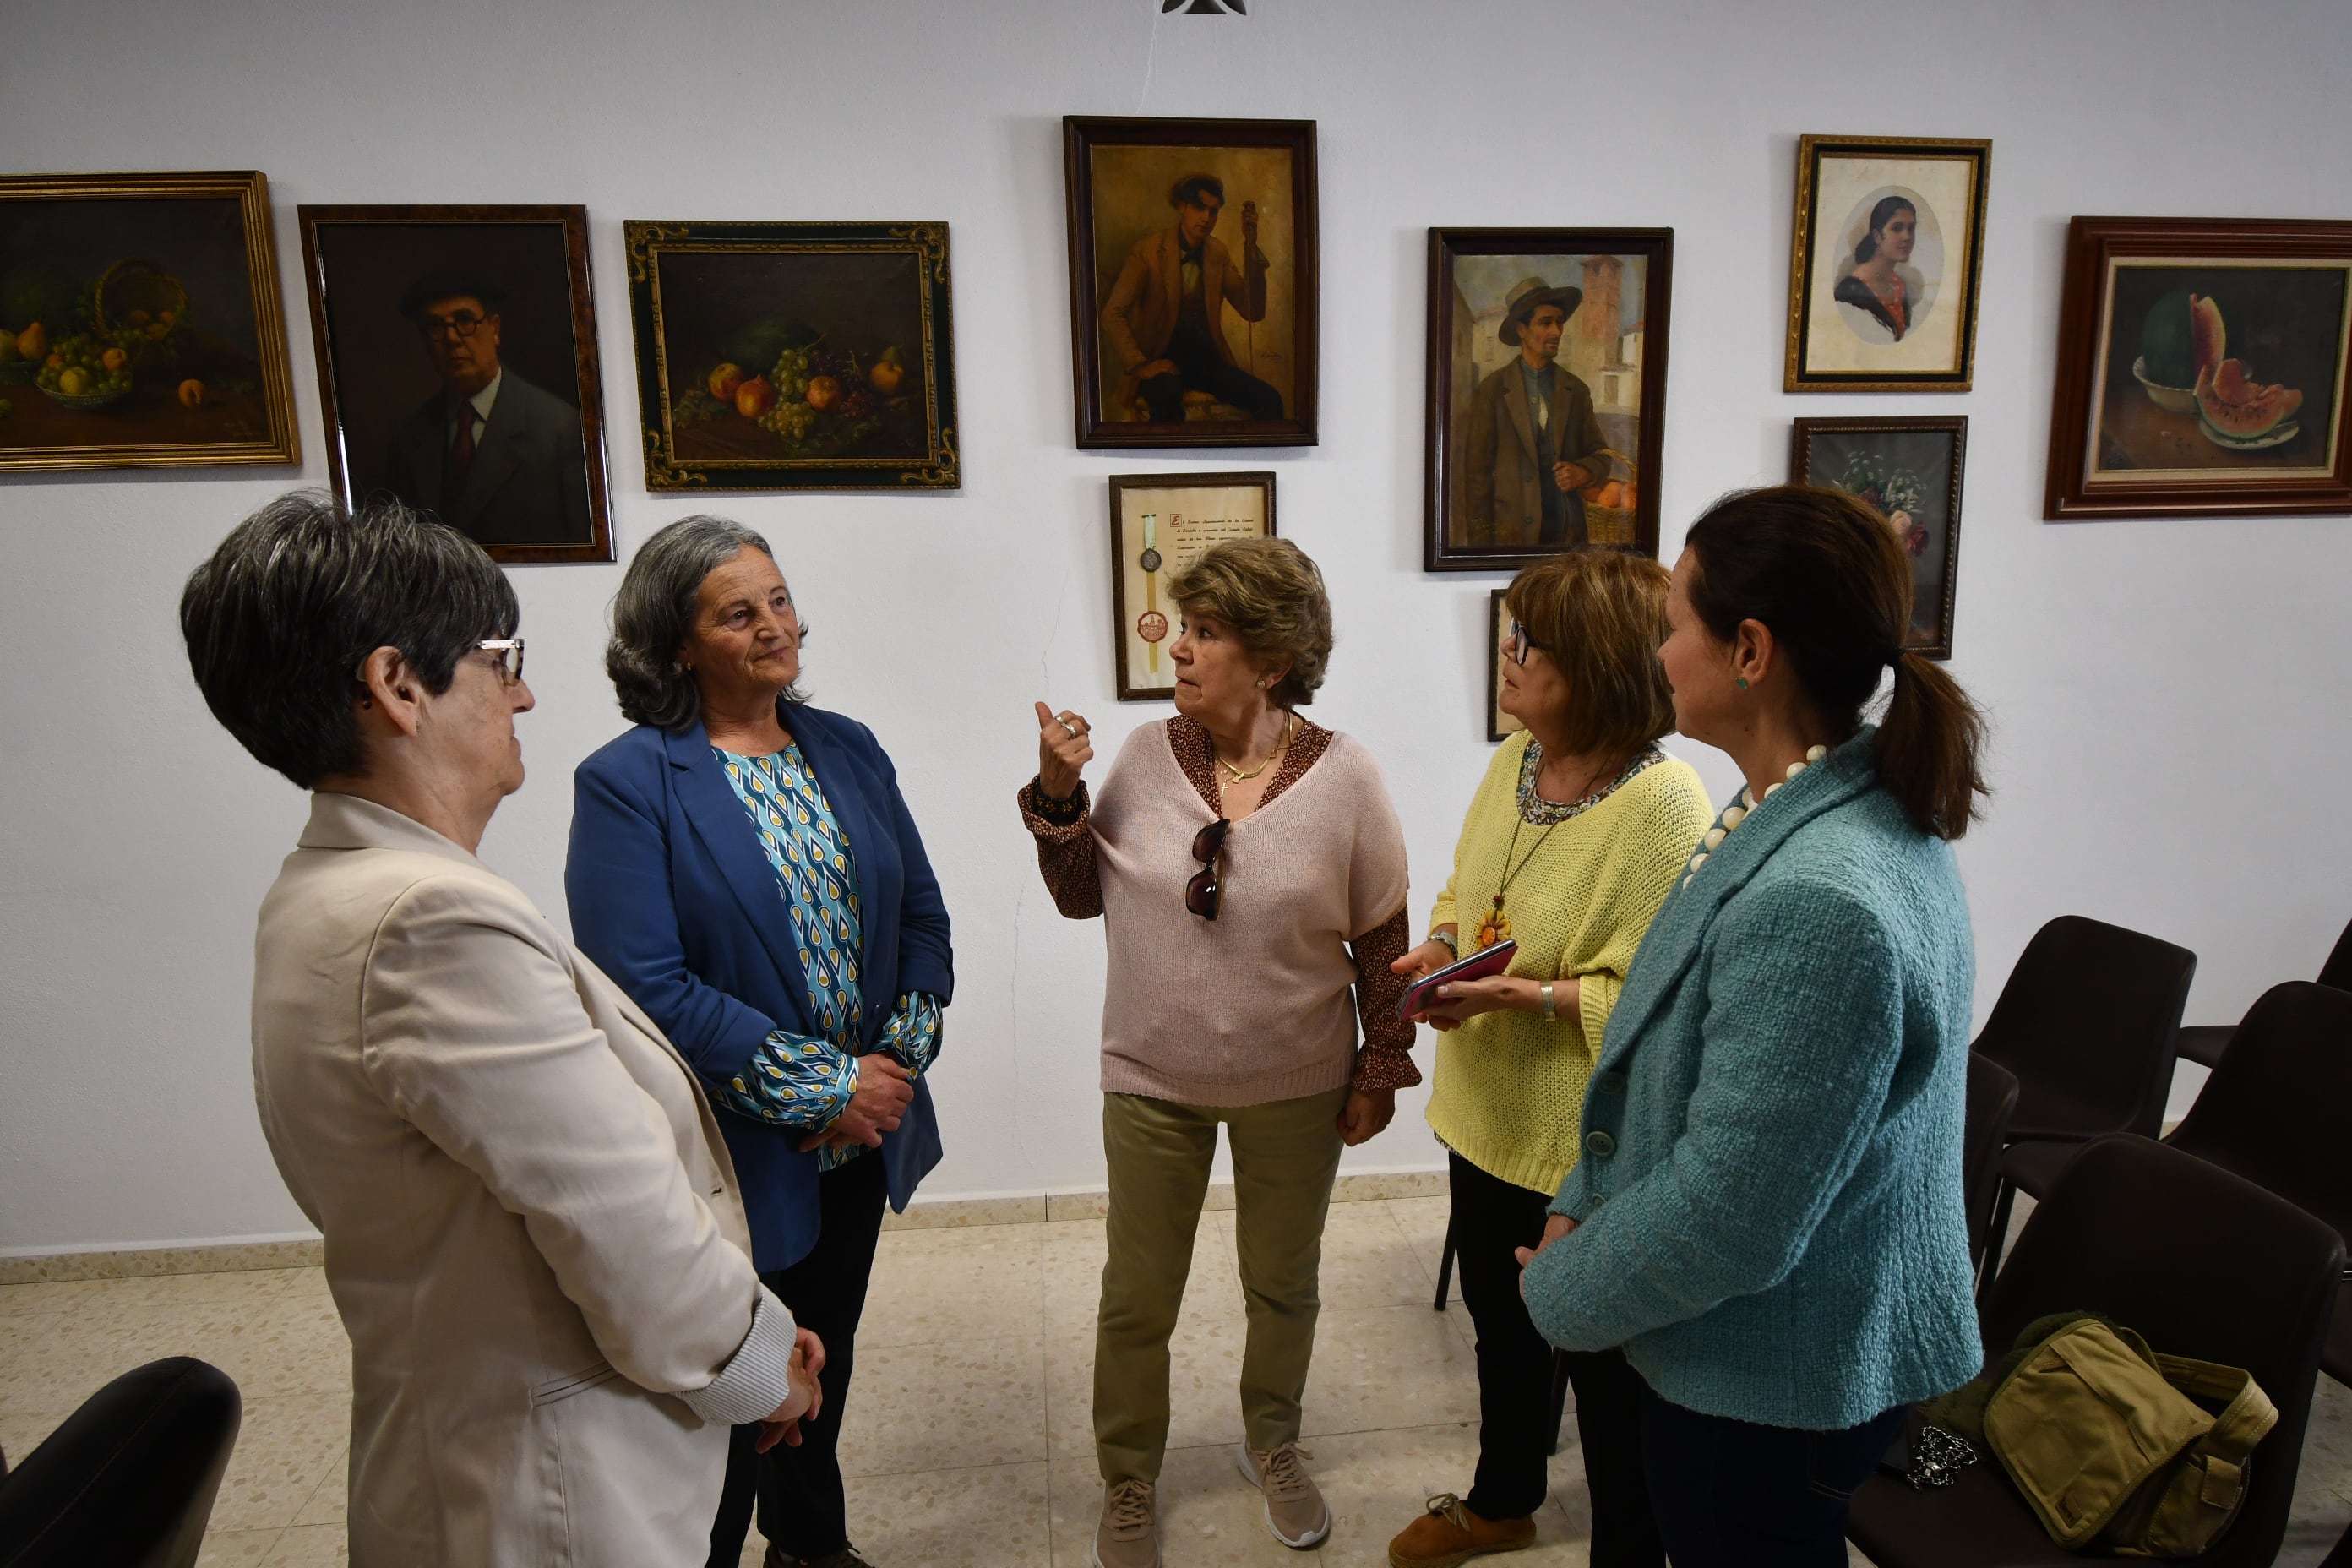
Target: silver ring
{"points": [[1065, 724]]}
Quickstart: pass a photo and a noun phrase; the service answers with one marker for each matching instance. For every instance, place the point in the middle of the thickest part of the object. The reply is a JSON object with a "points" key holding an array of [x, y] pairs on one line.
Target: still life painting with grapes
{"points": [[794, 355], [1909, 470], [139, 323]]}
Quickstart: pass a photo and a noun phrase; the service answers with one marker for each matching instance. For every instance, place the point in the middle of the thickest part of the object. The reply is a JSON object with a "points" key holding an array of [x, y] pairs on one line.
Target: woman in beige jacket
{"points": [[532, 1231]]}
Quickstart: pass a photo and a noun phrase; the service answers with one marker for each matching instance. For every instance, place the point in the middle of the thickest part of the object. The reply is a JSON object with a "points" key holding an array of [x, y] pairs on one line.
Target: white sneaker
{"points": [[1295, 1514]]}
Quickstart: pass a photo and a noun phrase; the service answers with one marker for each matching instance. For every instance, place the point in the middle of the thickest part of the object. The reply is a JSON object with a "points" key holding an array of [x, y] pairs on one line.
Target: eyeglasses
{"points": [[464, 324], [1200, 894], [510, 656], [1515, 646]]}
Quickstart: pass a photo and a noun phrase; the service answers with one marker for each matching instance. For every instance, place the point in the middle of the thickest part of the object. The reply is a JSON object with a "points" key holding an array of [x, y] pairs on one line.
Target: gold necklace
{"points": [[1281, 746]]}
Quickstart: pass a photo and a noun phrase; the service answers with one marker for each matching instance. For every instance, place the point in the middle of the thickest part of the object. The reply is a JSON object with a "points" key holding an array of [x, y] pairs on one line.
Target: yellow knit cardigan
{"points": [[1510, 1087]]}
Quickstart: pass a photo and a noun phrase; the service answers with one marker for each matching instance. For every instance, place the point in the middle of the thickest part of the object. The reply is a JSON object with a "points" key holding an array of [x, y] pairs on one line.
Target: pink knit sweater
{"points": [[1256, 1005]]}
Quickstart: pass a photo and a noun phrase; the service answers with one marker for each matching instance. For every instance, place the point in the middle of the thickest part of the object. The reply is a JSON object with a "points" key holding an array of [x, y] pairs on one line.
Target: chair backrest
{"points": [[2278, 1108], [2090, 1023], [2204, 1263], [128, 1478], [2338, 969], [1993, 1100]]}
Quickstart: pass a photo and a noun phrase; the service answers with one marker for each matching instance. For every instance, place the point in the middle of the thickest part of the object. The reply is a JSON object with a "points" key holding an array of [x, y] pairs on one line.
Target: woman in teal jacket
{"points": [[1768, 1215]]}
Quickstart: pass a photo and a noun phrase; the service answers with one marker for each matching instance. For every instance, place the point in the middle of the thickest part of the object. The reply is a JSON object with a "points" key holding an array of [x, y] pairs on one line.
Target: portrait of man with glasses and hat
{"points": [[490, 453], [1530, 426]]}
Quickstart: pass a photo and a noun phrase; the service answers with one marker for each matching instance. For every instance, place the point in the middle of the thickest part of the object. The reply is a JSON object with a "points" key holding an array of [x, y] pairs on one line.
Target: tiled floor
{"points": [[968, 1438]]}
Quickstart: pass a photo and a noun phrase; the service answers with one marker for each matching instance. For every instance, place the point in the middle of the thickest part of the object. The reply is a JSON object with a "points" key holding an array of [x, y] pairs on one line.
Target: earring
{"points": [[1261, 685], [1742, 679]]}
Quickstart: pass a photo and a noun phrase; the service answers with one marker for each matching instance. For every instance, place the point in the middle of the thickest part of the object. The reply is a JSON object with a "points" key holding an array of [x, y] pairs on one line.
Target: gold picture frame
{"points": [[153, 301]]}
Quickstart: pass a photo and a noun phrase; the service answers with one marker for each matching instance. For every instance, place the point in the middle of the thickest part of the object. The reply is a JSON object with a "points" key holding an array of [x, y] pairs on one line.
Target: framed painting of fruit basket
{"points": [[2202, 369], [779, 356], [1909, 469], [140, 324], [457, 370]]}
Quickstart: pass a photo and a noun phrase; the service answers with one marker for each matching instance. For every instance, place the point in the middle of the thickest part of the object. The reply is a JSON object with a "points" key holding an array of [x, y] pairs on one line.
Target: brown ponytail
{"points": [[1823, 572]]}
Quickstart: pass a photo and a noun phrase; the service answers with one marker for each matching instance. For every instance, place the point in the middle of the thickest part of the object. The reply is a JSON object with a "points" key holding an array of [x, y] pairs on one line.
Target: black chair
{"points": [[129, 1479], [1993, 1101], [2205, 1263], [2274, 1112], [2090, 1023], [2204, 1043]]}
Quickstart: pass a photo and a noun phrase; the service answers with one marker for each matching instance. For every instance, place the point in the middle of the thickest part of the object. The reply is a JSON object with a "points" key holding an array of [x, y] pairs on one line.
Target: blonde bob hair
{"points": [[1599, 615], [1270, 595]]}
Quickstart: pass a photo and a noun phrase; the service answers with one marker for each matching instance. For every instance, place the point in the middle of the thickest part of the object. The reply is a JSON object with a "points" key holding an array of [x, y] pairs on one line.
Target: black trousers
{"points": [[1199, 366], [1491, 1219], [801, 1511], [1732, 1494]]}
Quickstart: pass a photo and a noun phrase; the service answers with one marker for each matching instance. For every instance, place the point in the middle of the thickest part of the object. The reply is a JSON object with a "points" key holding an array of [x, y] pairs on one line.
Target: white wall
{"points": [[2171, 697]]}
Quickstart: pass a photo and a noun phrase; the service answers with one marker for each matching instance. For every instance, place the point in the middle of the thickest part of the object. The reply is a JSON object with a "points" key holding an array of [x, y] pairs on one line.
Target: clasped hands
{"points": [[806, 1400], [885, 1089]]}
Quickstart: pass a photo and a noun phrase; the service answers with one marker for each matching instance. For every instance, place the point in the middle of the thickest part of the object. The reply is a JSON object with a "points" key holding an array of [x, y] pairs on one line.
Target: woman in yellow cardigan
{"points": [[1571, 843]]}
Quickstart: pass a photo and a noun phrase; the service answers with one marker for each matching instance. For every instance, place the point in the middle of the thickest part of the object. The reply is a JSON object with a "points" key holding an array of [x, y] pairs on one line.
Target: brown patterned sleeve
{"points": [[1065, 848], [1386, 1060]]}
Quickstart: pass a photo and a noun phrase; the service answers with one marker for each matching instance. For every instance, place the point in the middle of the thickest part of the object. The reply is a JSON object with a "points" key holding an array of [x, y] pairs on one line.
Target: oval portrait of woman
{"points": [[1891, 261]]}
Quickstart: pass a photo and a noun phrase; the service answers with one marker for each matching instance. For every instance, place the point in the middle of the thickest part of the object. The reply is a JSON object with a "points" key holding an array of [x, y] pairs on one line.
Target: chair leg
{"points": [[1559, 1395], [1445, 1269], [1996, 1235]]}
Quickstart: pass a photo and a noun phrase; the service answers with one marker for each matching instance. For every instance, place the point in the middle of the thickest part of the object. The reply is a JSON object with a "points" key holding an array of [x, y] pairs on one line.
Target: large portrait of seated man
{"points": [[1192, 282], [457, 365]]}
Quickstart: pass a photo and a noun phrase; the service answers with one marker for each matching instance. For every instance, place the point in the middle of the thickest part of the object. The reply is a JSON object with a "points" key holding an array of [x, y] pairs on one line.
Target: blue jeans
{"points": [[1732, 1494]]}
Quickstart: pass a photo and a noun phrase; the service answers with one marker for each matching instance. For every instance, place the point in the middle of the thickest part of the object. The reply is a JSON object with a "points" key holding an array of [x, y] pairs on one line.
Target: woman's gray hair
{"points": [[653, 611]]}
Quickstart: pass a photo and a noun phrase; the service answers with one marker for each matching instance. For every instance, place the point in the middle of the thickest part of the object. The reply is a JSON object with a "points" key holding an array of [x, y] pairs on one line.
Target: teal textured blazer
{"points": [[1770, 1211]]}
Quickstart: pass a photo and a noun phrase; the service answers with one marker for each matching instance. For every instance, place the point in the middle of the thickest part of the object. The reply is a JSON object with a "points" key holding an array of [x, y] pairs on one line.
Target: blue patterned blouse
{"points": [[806, 1081]]}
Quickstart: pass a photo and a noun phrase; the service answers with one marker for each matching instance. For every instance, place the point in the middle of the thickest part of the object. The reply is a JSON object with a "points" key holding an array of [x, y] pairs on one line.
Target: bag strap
{"points": [[2245, 1420]]}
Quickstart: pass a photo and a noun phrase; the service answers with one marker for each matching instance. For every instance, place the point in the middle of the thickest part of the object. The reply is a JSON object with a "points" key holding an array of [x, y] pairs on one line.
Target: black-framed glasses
{"points": [[1201, 892], [1515, 646], [464, 324], [508, 652]]}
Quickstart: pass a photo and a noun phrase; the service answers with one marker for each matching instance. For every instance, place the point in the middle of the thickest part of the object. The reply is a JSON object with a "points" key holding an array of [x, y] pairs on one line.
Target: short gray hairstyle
{"points": [[654, 607]]}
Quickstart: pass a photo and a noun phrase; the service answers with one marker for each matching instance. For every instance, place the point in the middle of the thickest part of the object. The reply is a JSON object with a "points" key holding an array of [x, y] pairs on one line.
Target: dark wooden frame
{"points": [[589, 378], [2091, 244], [1656, 247], [250, 190], [1956, 426], [1495, 733], [942, 465], [1080, 135], [1811, 150], [1119, 484]]}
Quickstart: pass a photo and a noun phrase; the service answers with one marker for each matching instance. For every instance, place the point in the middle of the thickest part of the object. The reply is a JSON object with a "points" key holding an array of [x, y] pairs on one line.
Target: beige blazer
{"points": [[532, 1229], [1139, 317]]}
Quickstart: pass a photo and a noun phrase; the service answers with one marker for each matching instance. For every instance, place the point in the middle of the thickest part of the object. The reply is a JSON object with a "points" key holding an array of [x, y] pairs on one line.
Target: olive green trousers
{"points": [[1284, 1157]]}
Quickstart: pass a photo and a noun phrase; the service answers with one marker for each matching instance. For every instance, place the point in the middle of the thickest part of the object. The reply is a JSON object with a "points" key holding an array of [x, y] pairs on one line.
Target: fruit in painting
{"points": [[191, 394], [114, 359], [824, 392], [33, 342], [724, 379], [888, 373], [2235, 404], [755, 397], [2164, 341], [9, 346], [73, 381], [55, 362], [2208, 340]]}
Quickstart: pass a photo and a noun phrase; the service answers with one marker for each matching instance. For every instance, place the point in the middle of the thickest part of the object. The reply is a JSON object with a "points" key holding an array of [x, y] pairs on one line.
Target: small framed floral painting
{"points": [[1909, 469]]}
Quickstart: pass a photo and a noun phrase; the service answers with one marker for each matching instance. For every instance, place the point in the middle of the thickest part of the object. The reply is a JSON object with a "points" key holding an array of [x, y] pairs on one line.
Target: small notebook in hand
{"points": [[1486, 960]]}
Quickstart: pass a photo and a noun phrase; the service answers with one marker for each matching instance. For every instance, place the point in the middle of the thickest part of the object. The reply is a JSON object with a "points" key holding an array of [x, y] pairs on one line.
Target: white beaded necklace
{"points": [[1733, 815]]}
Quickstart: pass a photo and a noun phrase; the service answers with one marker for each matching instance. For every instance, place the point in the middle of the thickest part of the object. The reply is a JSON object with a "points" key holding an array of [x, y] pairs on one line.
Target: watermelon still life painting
{"points": [[2203, 370]]}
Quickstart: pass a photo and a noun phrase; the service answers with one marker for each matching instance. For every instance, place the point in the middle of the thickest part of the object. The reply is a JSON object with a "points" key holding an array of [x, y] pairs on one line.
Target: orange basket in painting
{"points": [[1610, 502], [138, 304]]}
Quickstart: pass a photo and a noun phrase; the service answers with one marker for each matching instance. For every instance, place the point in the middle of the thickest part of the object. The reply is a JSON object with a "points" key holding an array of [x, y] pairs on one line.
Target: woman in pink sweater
{"points": [[1251, 876]]}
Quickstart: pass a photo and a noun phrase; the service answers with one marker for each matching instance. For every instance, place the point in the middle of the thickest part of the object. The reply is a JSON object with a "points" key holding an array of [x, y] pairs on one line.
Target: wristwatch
{"points": [[1440, 936]]}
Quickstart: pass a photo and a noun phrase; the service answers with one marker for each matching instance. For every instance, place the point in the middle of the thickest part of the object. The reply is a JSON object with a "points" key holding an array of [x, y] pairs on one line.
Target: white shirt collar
{"points": [[482, 400]]}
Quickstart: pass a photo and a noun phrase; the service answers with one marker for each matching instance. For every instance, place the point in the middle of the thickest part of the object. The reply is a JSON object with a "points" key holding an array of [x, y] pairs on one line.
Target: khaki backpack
{"points": [[2102, 1437]]}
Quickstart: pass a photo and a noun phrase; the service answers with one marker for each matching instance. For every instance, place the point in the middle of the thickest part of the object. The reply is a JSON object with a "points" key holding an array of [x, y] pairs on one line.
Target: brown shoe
{"points": [[1128, 1536], [1450, 1535]]}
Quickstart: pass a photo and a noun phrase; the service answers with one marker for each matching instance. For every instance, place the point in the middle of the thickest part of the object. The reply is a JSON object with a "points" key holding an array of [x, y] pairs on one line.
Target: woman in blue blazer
{"points": [[1768, 1216], [744, 865]]}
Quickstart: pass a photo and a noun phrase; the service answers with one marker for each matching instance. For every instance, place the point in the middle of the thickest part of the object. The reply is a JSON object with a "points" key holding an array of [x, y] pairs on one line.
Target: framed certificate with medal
{"points": [[1160, 523]]}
